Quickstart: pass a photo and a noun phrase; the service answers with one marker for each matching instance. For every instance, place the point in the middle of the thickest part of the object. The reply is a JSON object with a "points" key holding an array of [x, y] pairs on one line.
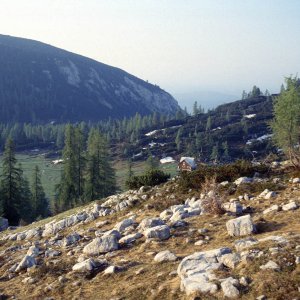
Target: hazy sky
{"points": [[181, 45]]}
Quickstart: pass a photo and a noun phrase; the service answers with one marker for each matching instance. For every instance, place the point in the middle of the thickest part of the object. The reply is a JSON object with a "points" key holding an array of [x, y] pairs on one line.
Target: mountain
{"points": [[41, 83]]}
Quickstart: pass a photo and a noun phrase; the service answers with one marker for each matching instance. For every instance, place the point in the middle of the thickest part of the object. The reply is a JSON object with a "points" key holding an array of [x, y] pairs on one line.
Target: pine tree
{"points": [[39, 203]]}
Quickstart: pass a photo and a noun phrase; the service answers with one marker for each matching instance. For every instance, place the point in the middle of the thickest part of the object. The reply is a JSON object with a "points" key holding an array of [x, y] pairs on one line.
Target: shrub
{"points": [[226, 172], [150, 178], [213, 202]]}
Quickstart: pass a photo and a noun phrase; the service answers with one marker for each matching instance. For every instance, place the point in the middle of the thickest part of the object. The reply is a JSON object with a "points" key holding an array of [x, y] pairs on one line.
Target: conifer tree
{"points": [[67, 193], [286, 122], [39, 201], [14, 191], [100, 176]]}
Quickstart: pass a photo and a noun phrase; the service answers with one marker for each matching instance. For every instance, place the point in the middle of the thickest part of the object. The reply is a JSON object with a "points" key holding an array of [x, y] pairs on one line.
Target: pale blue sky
{"points": [[186, 45]]}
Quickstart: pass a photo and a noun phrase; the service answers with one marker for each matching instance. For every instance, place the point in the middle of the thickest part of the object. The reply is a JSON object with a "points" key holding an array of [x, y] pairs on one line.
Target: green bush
{"points": [[150, 178], [227, 172]]}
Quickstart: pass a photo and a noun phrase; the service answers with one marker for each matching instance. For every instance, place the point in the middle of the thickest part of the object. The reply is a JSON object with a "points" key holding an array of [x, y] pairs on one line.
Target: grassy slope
{"points": [[50, 174]]}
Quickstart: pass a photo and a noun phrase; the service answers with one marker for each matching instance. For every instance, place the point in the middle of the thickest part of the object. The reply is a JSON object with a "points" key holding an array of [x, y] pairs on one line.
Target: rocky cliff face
{"points": [[160, 243], [41, 83]]}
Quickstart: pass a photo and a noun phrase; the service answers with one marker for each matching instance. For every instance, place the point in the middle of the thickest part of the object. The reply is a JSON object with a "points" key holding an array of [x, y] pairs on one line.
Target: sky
{"points": [[184, 46]]}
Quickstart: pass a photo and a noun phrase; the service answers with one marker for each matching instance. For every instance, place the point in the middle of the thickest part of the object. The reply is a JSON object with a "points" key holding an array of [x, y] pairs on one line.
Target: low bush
{"points": [[226, 172], [150, 178]]}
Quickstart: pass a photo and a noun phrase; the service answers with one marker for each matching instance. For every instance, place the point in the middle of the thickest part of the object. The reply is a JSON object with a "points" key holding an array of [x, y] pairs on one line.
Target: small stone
{"points": [[164, 256], [273, 208], [290, 206], [270, 265], [262, 297], [230, 260], [297, 260], [199, 243], [229, 287], [244, 281]]}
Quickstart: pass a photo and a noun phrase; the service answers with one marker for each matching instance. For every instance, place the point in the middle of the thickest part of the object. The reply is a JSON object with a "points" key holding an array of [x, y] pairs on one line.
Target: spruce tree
{"points": [[100, 176], [14, 189], [67, 193], [39, 201]]}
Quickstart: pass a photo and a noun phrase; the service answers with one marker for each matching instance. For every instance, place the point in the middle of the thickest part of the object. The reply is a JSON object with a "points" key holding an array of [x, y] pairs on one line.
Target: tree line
{"points": [[87, 175]]}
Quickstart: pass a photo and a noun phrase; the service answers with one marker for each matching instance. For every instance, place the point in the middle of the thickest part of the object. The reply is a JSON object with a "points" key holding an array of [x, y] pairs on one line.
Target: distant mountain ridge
{"points": [[42, 83]]}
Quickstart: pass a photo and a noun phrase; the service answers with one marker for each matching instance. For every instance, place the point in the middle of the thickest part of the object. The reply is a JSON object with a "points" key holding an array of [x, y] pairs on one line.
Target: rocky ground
{"points": [[161, 243]]}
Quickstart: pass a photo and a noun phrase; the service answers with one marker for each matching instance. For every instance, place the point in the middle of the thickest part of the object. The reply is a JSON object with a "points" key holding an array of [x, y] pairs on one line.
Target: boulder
{"points": [[35, 232], [229, 287], [130, 238], [290, 206], [121, 226], [196, 271], [27, 262], [270, 195], [33, 251], [150, 222], [101, 245], [89, 265], [245, 243], [161, 232], [52, 253], [71, 239], [243, 180], [165, 256], [273, 208], [240, 226], [270, 265], [230, 260], [233, 207]]}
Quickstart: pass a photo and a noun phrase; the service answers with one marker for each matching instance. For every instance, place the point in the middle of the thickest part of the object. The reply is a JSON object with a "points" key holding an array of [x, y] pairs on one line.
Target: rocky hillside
{"points": [[164, 243], [41, 83], [243, 126]]}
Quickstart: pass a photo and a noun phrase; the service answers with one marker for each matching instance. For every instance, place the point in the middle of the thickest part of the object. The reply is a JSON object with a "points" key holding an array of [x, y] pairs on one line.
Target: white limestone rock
{"points": [[101, 245], [271, 209], [164, 256], [161, 232], [230, 260], [121, 226], [234, 207], [240, 226], [130, 238], [242, 180], [230, 287], [290, 206], [196, 271], [150, 222], [33, 251], [270, 265], [27, 262], [245, 243]]}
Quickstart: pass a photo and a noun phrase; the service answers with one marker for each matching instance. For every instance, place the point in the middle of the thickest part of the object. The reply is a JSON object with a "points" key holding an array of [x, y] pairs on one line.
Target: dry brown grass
{"points": [[155, 282]]}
